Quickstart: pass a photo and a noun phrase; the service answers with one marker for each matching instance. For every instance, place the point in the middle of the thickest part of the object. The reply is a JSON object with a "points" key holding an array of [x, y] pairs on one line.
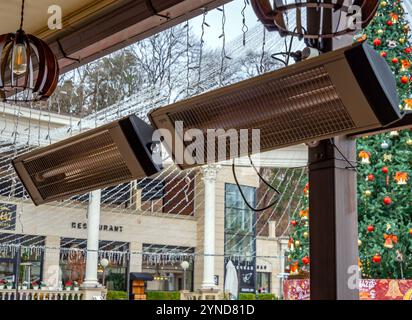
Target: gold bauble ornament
{"points": [[359, 242], [367, 193], [384, 4], [380, 31], [409, 142], [402, 40], [305, 235], [297, 243]]}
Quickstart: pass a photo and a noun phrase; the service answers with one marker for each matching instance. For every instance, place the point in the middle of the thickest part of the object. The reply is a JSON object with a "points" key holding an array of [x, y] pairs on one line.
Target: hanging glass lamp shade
{"points": [[276, 15], [28, 68]]}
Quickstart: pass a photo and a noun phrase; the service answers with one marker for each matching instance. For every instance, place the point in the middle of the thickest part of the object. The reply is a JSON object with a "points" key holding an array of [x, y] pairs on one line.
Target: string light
{"points": [[141, 103]]}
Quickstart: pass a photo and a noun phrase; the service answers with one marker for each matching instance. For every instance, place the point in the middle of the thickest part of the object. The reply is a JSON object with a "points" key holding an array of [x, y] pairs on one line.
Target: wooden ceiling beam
{"points": [[121, 26]]}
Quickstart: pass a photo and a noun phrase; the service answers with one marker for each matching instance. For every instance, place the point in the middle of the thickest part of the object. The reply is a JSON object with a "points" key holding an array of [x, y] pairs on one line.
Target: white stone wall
{"points": [[54, 222]]}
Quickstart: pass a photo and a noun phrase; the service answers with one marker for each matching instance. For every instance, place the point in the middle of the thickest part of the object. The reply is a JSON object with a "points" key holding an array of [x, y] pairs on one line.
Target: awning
{"points": [[141, 276]]}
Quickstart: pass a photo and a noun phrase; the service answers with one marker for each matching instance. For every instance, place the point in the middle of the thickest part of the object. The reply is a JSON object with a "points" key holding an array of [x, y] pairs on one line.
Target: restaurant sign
{"points": [[102, 227], [8, 216]]}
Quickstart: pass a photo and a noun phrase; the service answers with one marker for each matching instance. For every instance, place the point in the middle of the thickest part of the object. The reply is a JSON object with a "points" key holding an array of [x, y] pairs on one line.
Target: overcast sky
{"points": [[233, 25]]}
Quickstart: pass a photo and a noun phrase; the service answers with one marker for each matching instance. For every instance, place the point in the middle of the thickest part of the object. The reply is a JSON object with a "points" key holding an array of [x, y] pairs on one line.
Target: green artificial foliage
{"points": [[163, 295], [384, 169], [388, 33], [116, 281], [116, 295], [259, 296], [247, 296], [299, 235]]}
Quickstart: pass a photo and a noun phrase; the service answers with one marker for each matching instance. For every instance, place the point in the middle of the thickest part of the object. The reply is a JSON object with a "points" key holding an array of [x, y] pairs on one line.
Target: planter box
{"points": [[1, 286], [35, 287], [9, 287], [370, 289]]}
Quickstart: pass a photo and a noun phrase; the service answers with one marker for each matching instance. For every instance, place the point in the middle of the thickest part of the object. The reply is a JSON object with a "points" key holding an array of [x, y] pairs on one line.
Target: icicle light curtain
{"points": [[17, 137]]}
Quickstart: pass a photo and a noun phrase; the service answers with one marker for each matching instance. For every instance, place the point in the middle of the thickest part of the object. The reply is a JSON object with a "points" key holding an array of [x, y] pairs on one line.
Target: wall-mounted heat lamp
{"points": [[342, 92], [112, 154]]}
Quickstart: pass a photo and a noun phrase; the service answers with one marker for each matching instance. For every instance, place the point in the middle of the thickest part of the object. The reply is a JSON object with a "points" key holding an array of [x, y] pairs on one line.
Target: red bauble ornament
{"points": [[371, 177], [305, 260], [377, 42], [410, 231], [376, 258], [387, 200], [385, 170], [389, 23], [370, 228], [408, 50], [404, 79], [395, 60], [293, 223], [384, 54]]}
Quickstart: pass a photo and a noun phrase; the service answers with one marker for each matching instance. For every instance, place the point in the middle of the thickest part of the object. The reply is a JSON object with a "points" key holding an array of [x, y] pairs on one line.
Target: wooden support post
{"points": [[333, 218], [333, 223]]}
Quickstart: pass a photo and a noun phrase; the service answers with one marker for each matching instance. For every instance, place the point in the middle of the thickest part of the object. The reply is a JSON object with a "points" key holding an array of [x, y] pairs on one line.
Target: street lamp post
{"points": [[185, 266], [104, 263]]}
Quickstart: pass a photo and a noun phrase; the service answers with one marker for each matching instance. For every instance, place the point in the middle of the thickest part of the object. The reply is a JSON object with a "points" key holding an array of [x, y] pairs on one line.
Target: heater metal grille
{"points": [[287, 110], [83, 165]]}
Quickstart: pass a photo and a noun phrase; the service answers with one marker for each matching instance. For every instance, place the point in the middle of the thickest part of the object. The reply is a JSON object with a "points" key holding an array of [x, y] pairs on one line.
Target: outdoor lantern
{"points": [[274, 16], [341, 92], [104, 263], [184, 265], [29, 69], [115, 153]]}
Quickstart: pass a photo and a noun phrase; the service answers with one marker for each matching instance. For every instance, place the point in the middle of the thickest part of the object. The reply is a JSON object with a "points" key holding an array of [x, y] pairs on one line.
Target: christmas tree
{"points": [[384, 170], [298, 245], [385, 162]]}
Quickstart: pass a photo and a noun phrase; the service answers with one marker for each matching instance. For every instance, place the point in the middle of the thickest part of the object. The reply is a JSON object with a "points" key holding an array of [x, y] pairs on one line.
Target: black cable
{"points": [[154, 11], [22, 15], [351, 166], [261, 178], [64, 53], [290, 49], [243, 196], [280, 60], [288, 52]]}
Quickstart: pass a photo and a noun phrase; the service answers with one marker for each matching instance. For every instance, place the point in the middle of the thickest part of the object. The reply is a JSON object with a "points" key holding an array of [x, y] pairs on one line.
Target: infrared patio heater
{"points": [[343, 92], [117, 152]]}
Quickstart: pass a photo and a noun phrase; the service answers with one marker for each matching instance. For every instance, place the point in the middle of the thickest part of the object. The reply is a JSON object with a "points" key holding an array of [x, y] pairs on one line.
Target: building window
{"points": [[263, 282], [152, 194], [240, 231], [73, 262], [21, 255], [163, 262]]}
